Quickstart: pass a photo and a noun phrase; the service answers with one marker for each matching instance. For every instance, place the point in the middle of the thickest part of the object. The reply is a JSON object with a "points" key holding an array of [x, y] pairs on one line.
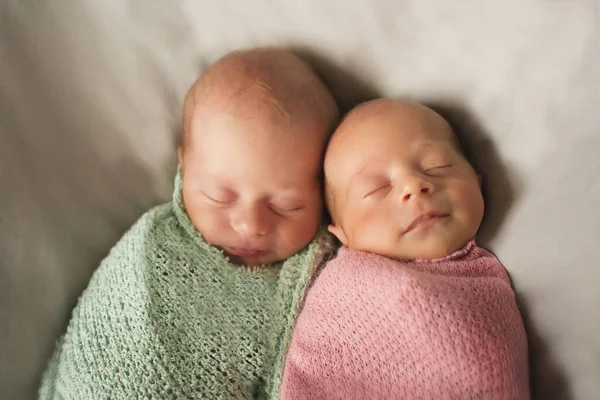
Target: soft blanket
{"points": [[166, 315], [375, 328]]}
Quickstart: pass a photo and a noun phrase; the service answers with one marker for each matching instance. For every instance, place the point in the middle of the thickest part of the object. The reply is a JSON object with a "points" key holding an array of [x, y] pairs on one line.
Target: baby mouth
{"points": [[425, 219], [242, 252]]}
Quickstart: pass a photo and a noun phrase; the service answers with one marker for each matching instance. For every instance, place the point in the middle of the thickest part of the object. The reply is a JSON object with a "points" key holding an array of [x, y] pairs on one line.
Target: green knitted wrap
{"points": [[166, 315]]}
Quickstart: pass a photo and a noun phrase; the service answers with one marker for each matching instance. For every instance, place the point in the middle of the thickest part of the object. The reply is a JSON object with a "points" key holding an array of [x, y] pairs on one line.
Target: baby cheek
{"points": [[468, 200], [294, 234], [212, 223], [313, 217], [370, 226]]}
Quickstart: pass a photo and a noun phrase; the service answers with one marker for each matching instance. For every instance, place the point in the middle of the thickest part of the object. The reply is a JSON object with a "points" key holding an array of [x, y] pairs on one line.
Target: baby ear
{"points": [[338, 232]]}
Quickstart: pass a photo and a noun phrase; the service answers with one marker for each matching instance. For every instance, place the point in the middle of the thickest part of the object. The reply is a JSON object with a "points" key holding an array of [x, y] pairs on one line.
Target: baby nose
{"points": [[252, 221], [415, 187]]}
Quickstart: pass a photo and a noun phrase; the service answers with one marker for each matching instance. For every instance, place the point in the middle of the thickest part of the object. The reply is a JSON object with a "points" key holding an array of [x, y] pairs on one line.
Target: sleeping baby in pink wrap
{"points": [[411, 307]]}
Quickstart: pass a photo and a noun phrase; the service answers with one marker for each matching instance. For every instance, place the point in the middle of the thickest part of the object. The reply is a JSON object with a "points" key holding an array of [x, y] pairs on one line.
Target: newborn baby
{"points": [[198, 299], [411, 307], [255, 129]]}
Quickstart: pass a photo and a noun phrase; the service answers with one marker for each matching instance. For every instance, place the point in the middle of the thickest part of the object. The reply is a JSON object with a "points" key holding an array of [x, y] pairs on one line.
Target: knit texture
{"points": [[166, 315], [376, 328]]}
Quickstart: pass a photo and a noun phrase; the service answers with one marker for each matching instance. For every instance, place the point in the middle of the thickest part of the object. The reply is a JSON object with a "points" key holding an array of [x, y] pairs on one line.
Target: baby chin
{"points": [[431, 242], [438, 247]]}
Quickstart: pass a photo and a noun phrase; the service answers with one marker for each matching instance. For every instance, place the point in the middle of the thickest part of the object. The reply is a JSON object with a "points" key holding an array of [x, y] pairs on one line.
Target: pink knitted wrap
{"points": [[376, 328]]}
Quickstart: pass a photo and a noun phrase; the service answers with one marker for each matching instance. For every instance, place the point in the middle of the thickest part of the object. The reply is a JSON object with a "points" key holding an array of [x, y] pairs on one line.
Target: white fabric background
{"points": [[90, 99]]}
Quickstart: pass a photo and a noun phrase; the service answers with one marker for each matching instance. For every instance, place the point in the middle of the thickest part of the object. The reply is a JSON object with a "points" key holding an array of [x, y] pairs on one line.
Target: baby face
{"points": [[251, 184], [398, 184]]}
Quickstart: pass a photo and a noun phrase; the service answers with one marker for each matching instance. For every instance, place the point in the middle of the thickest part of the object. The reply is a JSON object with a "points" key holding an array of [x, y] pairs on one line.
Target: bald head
{"points": [[407, 114], [260, 81]]}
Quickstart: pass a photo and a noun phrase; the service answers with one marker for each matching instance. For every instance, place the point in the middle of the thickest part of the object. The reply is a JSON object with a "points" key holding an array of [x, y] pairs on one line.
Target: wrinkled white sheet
{"points": [[90, 99]]}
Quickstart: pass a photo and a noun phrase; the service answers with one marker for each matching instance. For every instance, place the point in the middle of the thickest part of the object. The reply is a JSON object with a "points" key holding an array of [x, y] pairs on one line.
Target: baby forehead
{"points": [[406, 119], [389, 133], [380, 136]]}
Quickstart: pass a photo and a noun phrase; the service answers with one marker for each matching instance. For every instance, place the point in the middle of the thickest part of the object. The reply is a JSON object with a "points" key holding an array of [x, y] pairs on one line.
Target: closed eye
{"points": [[285, 210], [218, 202], [380, 190], [438, 168]]}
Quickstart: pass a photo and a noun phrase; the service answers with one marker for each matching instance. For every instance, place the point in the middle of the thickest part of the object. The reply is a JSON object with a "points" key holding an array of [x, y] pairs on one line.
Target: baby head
{"points": [[397, 183], [255, 127]]}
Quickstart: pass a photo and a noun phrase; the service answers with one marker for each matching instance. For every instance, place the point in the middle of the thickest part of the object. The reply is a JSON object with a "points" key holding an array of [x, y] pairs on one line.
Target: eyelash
{"points": [[283, 212], [216, 202], [439, 167], [277, 210], [376, 190]]}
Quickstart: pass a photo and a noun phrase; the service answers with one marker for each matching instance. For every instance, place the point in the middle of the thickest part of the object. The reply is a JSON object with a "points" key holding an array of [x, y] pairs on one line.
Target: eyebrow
{"points": [[451, 146], [430, 144]]}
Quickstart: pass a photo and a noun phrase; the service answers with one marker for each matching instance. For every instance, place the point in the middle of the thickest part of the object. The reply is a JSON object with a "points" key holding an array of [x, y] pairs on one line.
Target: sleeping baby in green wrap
{"points": [[199, 297]]}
